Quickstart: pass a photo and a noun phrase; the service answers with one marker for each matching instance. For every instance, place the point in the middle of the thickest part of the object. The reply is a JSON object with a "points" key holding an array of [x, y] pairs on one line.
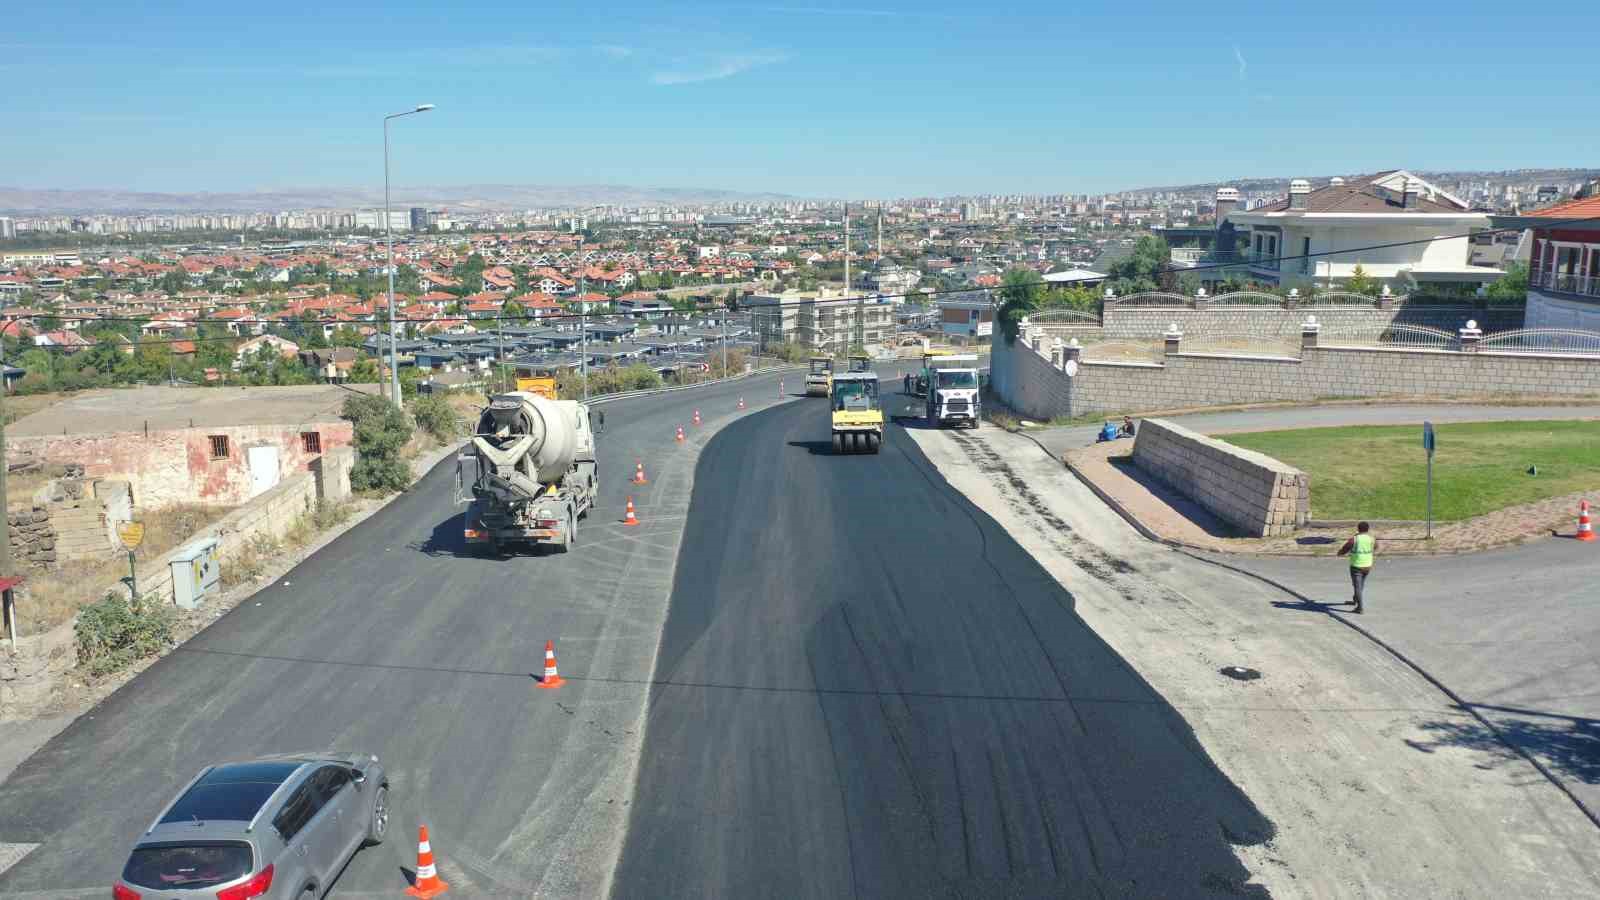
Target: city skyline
{"points": [[815, 101]]}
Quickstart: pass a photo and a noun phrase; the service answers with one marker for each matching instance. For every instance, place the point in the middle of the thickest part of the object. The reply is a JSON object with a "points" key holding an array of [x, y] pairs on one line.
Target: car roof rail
{"points": [[293, 779], [192, 782]]}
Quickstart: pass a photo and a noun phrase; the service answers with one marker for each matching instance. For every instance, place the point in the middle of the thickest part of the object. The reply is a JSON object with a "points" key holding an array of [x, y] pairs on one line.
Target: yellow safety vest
{"points": [[1361, 551]]}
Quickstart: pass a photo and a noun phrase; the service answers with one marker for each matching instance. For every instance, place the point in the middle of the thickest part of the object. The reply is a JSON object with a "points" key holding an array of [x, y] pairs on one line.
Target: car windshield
{"points": [[958, 380], [187, 866]]}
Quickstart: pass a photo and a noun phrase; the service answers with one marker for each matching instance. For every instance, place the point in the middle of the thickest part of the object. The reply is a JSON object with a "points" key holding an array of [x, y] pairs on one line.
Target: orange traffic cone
{"points": [[680, 434], [741, 403], [638, 474], [697, 417], [428, 883], [552, 678], [630, 518], [1585, 527]]}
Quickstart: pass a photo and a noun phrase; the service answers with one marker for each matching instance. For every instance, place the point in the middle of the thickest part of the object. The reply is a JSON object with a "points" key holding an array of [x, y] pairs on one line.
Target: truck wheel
{"points": [[838, 443], [567, 536], [873, 442]]}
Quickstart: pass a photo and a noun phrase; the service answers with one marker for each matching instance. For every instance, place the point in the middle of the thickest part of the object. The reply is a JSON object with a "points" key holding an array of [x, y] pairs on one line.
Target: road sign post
{"points": [[132, 535], [1427, 444]]}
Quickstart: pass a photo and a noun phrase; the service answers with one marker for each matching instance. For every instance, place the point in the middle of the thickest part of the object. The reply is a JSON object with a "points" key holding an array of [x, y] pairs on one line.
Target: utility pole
{"points": [[5, 509], [388, 227], [846, 255], [583, 339]]}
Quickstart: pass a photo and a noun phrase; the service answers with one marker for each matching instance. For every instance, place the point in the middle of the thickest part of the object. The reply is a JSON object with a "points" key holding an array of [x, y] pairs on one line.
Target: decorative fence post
{"points": [[1198, 300], [1471, 337], [1385, 299], [1173, 338], [1309, 330], [1057, 354], [1293, 300], [1072, 352]]}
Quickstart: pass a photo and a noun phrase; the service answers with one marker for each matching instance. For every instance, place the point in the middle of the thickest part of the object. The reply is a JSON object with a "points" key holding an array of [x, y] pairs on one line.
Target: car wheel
{"points": [[378, 827]]}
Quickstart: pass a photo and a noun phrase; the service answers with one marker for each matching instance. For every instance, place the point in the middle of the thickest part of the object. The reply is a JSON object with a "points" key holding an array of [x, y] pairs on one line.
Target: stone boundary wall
{"points": [[268, 516], [33, 537], [1147, 323], [1250, 491], [1032, 385]]}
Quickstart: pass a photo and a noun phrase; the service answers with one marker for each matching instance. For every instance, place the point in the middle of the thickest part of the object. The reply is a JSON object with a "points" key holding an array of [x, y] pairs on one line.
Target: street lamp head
{"points": [[424, 107]]}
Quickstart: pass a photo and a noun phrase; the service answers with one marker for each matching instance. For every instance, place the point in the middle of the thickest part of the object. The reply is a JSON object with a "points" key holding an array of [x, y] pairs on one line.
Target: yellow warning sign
{"points": [[132, 534]]}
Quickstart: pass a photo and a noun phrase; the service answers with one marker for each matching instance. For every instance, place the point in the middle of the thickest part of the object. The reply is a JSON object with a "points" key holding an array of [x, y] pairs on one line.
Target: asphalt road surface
{"points": [[393, 640], [866, 688]]}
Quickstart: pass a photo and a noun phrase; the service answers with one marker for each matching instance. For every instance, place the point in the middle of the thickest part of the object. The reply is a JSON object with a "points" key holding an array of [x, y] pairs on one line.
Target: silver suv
{"points": [[275, 827]]}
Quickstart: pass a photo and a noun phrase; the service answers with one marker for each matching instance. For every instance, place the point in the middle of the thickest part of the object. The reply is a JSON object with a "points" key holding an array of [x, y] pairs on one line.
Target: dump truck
{"points": [[819, 380], [929, 355], [857, 419], [951, 393], [532, 473], [536, 379]]}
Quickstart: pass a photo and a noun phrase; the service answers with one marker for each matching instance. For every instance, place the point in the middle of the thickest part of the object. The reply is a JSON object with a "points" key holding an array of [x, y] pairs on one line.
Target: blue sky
{"points": [[808, 97]]}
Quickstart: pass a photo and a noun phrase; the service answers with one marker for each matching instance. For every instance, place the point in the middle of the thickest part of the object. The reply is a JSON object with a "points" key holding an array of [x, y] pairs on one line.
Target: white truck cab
{"points": [[953, 391]]}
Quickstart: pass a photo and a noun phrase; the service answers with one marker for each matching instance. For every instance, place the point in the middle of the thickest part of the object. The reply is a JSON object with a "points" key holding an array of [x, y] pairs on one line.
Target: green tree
{"points": [[1020, 293], [173, 282], [381, 432], [1360, 282], [1512, 286], [1148, 268]]}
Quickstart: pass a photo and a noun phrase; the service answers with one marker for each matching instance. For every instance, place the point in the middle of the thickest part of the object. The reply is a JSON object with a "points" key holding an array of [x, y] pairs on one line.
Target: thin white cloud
{"points": [[712, 69], [615, 51], [826, 11], [1243, 66]]}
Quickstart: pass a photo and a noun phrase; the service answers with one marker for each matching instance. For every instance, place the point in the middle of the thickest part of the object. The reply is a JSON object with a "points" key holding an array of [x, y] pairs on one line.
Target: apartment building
{"points": [[826, 322]]}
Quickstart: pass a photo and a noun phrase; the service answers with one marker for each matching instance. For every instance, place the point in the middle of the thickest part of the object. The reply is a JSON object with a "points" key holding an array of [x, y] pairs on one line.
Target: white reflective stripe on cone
{"points": [[424, 847], [427, 871]]}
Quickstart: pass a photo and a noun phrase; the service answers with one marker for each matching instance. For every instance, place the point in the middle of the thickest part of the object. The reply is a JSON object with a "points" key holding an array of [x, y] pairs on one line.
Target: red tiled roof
{"points": [[1587, 208]]}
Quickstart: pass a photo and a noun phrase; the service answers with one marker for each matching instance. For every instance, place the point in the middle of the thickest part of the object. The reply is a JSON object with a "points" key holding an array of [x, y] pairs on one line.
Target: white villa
{"points": [[1316, 238]]}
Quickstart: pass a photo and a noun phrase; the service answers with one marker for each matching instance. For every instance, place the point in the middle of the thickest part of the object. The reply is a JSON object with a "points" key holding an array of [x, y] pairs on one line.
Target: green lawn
{"points": [[1378, 471]]}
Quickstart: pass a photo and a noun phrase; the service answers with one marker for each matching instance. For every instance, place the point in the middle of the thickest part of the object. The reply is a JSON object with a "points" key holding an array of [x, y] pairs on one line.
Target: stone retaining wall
{"points": [[1255, 493]]}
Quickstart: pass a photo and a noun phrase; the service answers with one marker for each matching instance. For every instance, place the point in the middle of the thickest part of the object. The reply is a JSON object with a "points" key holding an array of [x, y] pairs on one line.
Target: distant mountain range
{"points": [[468, 197]]}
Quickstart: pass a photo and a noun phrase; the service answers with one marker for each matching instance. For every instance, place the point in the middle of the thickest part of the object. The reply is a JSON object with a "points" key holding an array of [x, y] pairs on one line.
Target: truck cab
{"points": [[952, 394], [860, 362], [819, 379], [857, 417]]}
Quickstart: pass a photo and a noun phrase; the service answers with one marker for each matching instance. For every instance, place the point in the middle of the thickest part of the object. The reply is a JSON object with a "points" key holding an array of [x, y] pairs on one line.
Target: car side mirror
{"points": [[358, 776]]}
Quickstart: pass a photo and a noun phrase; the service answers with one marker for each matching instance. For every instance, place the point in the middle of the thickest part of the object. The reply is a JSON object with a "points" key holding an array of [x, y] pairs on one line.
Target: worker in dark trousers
{"points": [[1360, 549], [908, 383]]}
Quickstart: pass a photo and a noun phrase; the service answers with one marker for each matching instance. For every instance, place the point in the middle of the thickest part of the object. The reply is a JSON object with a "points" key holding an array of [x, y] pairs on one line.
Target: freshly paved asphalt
{"points": [[393, 640], [866, 688]]}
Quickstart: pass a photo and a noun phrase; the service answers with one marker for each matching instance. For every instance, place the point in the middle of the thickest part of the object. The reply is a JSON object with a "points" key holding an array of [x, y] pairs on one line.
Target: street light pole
{"points": [[388, 227]]}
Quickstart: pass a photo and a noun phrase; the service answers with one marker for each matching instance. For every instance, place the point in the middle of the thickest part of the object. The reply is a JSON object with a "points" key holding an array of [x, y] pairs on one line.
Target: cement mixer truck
{"points": [[532, 473]]}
